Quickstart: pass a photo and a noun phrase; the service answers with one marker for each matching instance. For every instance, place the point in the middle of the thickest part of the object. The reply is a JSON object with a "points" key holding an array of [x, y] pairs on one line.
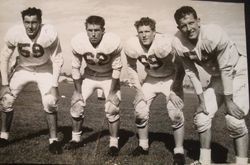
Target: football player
{"points": [[101, 51], [211, 48], [164, 74], [40, 61]]}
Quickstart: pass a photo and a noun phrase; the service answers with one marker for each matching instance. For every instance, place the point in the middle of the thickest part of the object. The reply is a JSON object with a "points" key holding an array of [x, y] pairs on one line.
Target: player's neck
{"points": [[95, 44], [193, 41], [146, 47]]}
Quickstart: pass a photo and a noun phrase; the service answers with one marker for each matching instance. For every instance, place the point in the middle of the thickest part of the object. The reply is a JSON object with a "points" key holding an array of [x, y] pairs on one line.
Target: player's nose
{"points": [[189, 27]]}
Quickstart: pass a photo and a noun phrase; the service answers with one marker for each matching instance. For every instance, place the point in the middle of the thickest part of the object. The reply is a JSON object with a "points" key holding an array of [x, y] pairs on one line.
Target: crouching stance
{"points": [[164, 74], [40, 61], [211, 48], [101, 53]]}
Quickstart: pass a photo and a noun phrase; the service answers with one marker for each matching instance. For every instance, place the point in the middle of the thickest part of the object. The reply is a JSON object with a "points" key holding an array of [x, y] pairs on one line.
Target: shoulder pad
{"points": [[132, 47], [110, 43], [162, 45], [47, 36], [212, 33], [80, 43], [14, 34], [180, 44]]}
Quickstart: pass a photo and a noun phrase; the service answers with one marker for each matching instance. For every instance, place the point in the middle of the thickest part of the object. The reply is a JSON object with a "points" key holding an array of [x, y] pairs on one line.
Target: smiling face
{"points": [[95, 33], [146, 35], [189, 27], [32, 25]]}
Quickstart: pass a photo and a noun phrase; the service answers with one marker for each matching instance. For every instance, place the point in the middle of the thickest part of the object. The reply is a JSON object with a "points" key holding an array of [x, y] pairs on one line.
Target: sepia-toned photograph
{"points": [[117, 82]]}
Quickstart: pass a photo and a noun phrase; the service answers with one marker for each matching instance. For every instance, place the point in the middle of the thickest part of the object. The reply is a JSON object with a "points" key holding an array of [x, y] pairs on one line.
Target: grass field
{"points": [[29, 134]]}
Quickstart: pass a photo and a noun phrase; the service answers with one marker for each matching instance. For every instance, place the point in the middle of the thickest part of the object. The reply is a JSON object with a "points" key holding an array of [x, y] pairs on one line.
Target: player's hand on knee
{"points": [[234, 110], [113, 98], [77, 96], [176, 100], [4, 89], [54, 92], [201, 109]]}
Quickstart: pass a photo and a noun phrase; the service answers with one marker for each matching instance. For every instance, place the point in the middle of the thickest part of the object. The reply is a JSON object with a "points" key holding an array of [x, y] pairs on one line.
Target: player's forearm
{"points": [[57, 66], [78, 85], [178, 78], [201, 98], [227, 82], [195, 81], [134, 78], [57, 60], [5, 57], [115, 84]]}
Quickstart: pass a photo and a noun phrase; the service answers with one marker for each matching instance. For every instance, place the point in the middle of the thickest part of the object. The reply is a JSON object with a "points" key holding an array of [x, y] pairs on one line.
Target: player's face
{"points": [[95, 33], [146, 35], [189, 27], [32, 25]]}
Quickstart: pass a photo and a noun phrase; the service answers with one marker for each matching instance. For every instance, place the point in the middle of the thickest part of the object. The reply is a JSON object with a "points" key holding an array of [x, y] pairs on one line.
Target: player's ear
{"points": [[199, 21]]}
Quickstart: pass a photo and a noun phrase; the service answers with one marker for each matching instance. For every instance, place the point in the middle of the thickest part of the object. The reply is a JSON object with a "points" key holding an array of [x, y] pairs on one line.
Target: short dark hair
{"points": [[145, 21], [94, 19], [32, 11], [183, 11]]}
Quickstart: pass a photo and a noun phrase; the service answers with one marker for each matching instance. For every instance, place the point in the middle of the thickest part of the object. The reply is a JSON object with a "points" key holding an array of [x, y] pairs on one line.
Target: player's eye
{"points": [[191, 23]]}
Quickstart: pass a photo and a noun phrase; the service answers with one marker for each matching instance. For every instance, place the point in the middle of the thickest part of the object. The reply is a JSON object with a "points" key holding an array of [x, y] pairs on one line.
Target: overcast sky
{"points": [[68, 17]]}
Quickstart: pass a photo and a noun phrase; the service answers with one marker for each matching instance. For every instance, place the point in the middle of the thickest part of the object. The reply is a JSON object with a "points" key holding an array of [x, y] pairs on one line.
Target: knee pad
{"points": [[7, 102], [50, 103], [112, 108], [141, 113], [202, 122], [177, 118], [77, 109], [236, 127]]}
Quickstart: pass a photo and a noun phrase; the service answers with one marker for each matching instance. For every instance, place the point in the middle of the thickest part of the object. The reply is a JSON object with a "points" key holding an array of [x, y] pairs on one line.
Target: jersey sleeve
{"points": [[162, 46], [116, 65], [189, 67], [131, 48], [112, 45], [57, 61], [48, 36], [10, 42], [11, 37], [227, 55], [76, 59]]}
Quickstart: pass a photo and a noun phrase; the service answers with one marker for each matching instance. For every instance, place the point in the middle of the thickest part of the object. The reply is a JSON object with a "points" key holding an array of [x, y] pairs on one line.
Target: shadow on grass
{"points": [[192, 147], [65, 130], [30, 136], [166, 138], [123, 134], [218, 154]]}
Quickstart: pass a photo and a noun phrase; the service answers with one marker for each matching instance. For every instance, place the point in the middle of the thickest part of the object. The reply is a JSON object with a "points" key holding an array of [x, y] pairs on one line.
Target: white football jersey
{"points": [[36, 52], [214, 51], [158, 60], [100, 61]]}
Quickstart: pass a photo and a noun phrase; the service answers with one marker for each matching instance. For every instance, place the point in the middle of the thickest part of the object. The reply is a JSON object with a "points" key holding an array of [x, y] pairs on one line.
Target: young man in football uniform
{"points": [[40, 60], [211, 48], [101, 51], [164, 74]]}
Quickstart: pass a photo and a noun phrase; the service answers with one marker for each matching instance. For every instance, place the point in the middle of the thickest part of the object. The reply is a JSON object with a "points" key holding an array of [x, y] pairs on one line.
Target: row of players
{"points": [[166, 59]]}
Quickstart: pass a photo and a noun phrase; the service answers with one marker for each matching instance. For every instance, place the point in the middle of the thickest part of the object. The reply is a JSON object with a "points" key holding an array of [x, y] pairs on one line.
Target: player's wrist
{"points": [[5, 85], [228, 98], [172, 93]]}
